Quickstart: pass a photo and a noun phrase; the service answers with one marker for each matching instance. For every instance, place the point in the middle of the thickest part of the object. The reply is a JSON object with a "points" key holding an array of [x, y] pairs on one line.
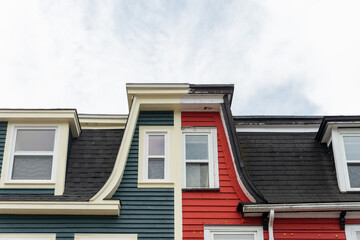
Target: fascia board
{"points": [[25, 115], [331, 125], [94, 122], [305, 207], [108, 207], [155, 90], [277, 128]]}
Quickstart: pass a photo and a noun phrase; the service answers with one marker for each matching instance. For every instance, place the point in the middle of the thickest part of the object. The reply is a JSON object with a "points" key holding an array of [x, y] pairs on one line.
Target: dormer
{"points": [[342, 134], [35, 147]]}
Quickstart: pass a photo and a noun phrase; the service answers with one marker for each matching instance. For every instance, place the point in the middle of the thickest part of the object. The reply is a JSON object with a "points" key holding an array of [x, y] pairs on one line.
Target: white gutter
{"points": [[303, 207], [271, 224]]}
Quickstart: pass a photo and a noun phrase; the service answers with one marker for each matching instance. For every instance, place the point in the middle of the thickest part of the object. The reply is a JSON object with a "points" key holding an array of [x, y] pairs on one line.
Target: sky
{"points": [[285, 57]]}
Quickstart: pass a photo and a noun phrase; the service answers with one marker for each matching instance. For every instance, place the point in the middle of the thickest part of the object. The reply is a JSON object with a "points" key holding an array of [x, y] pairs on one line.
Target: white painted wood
{"points": [[14, 153], [256, 231], [164, 133], [271, 224], [278, 128], [211, 133]]}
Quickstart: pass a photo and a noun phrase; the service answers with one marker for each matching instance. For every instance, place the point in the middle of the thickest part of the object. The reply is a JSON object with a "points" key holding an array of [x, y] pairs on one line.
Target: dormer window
{"points": [[32, 156], [343, 134], [352, 157]]}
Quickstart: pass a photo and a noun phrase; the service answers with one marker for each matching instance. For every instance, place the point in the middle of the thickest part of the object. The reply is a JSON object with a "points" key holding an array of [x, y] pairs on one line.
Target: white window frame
{"points": [[210, 231], [54, 153], [211, 132], [337, 139], [350, 231], [146, 157]]}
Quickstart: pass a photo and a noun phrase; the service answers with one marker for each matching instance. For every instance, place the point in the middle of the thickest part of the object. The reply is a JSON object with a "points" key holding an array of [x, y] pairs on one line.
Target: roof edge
{"points": [[235, 147], [334, 119], [244, 207]]}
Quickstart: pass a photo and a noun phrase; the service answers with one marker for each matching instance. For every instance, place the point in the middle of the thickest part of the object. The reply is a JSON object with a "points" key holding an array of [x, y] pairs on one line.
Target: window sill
{"points": [[28, 185], [156, 185], [201, 189]]}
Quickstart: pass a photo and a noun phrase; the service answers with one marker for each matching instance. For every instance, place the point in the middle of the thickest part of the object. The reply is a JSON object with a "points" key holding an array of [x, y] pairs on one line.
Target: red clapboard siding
{"points": [[219, 208], [315, 228], [213, 208]]}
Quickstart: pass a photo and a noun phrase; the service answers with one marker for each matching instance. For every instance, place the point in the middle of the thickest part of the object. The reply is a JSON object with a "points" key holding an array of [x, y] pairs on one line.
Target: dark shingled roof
{"points": [[90, 163], [277, 120], [291, 168]]}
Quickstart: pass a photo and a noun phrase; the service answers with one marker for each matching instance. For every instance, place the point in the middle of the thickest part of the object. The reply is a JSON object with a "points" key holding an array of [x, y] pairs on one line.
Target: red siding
{"points": [[213, 208], [315, 228], [219, 208]]}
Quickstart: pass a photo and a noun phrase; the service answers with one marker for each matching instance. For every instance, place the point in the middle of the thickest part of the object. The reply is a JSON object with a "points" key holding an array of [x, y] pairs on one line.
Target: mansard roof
{"points": [[289, 167], [90, 162]]}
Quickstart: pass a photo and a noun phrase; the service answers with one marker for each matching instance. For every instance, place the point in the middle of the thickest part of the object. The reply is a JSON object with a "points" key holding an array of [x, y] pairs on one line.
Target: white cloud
{"points": [[81, 53]]}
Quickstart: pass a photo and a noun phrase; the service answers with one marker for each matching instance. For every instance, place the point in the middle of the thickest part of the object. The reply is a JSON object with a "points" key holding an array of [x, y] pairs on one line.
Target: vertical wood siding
{"points": [[146, 212], [213, 207], [307, 229]]}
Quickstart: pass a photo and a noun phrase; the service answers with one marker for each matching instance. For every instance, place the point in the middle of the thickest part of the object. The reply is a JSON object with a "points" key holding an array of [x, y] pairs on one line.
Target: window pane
{"points": [[156, 168], [233, 236], [197, 147], [197, 175], [35, 140], [357, 235], [32, 167], [156, 144], [354, 175], [352, 147]]}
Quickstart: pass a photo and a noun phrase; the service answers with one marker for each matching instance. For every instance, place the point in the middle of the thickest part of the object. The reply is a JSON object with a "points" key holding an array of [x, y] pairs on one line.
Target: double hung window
{"points": [[350, 144], [156, 155], [33, 154], [200, 158]]}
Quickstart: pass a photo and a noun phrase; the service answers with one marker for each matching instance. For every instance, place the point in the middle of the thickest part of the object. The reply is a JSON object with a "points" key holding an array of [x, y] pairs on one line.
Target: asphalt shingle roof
{"points": [[90, 162], [291, 168]]}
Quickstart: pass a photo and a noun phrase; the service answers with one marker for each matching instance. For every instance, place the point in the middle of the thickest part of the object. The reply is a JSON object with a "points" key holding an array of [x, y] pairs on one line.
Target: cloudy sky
{"points": [[284, 57]]}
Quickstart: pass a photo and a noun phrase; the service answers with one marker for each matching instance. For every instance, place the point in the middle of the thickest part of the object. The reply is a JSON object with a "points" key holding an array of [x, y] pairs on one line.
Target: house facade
{"points": [[177, 166]]}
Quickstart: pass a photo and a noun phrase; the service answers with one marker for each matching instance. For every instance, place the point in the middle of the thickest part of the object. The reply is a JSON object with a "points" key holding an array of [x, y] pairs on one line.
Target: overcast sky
{"points": [[284, 57]]}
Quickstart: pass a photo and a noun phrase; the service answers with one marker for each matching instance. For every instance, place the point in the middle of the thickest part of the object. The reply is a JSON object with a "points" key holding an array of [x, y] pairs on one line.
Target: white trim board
{"points": [[278, 128]]}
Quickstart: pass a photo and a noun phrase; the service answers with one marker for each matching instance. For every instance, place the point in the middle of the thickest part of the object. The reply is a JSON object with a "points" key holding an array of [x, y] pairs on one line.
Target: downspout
{"points": [[271, 224]]}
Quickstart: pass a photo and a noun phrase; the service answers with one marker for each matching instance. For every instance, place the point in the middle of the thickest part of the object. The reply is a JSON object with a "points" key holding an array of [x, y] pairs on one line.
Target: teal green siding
{"points": [[146, 212], [36, 191]]}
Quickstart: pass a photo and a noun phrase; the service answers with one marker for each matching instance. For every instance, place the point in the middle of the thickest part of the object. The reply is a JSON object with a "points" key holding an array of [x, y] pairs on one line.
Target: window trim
{"points": [[86, 236], [350, 231], [342, 173], [29, 236], [165, 133], [257, 231], [14, 131], [211, 132]]}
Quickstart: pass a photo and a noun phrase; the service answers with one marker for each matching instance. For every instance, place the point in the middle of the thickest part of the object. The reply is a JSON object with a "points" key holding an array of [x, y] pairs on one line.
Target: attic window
{"points": [[33, 154], [346, 148], [200, 163]]}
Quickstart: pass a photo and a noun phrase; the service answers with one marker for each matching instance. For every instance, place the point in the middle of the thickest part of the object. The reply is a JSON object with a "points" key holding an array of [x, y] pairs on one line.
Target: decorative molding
{"points": [[107, 207]]}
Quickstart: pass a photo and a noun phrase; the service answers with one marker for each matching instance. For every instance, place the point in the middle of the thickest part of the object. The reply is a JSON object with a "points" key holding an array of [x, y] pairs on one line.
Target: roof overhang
{"points": [[155, 90], [43, 116], [251, 210], [102, 121], [331, 122]]}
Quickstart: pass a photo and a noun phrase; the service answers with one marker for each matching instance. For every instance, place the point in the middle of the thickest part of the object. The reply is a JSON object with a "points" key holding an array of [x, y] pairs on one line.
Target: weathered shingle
{"points": [[291, 168]]}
